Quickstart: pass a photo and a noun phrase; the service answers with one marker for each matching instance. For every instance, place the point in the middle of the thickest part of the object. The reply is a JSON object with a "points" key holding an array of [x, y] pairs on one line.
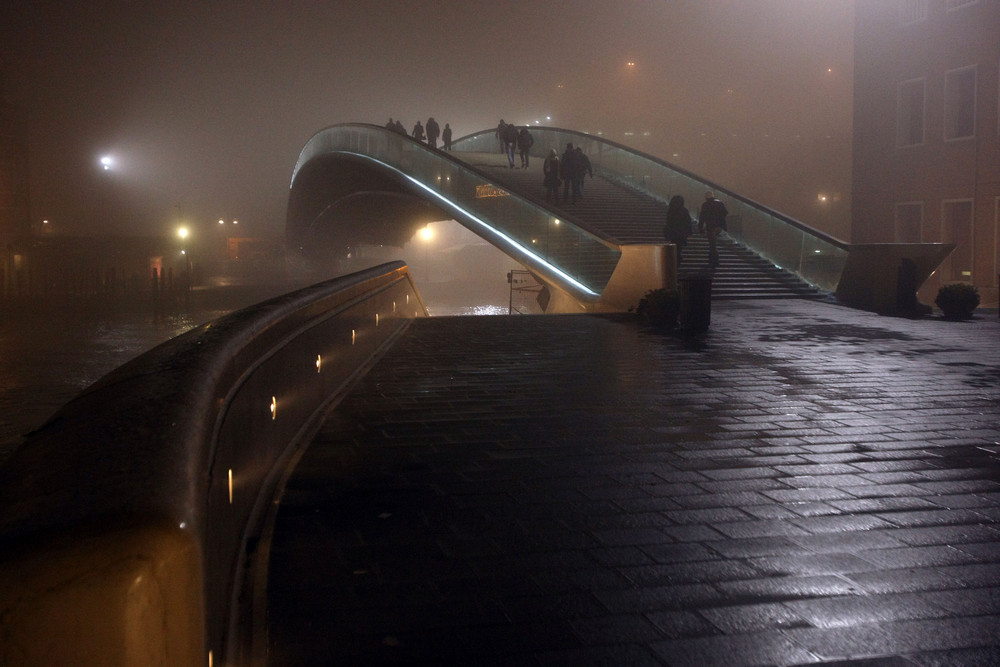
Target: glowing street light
{"points": [[107, 162], [183, 232], [427, 235]]}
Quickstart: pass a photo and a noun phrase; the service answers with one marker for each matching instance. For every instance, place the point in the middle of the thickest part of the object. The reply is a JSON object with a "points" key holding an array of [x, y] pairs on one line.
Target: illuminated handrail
{"points": [[130, 520], [788, 243], [542, 239]]}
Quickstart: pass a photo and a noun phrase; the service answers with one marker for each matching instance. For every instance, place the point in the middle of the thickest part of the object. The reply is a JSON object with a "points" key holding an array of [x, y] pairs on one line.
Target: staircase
{"points": [[631, 217]]}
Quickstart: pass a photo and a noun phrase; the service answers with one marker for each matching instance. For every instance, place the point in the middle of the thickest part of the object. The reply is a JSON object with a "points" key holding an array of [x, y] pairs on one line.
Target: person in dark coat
{"points": [[678, 225], [712, 220], [551, 170], [418, 132], [524, 143], [567, 169], [582, 169], [446, 137], [510, 142], [501, 134], [433, 132]]}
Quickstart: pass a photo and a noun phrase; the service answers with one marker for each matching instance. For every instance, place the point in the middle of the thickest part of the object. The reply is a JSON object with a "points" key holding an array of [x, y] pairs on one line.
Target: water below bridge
{"points": [[50, 353]]}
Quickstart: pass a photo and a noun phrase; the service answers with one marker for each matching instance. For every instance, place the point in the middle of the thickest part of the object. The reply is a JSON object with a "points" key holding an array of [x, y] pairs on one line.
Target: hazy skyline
{"points": [[205, 106]]}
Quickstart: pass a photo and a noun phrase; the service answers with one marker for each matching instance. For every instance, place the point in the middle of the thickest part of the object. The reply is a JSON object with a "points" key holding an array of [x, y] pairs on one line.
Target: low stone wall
{"points": [[127, 522]]}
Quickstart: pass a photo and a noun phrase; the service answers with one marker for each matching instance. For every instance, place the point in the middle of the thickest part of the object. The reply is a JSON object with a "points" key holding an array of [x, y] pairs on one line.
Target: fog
{"points": [[204, 106]]}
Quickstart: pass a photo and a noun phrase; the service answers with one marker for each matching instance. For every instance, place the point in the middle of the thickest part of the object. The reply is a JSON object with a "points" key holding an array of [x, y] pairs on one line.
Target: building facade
{"points": [[926, 154], [14, 216]]}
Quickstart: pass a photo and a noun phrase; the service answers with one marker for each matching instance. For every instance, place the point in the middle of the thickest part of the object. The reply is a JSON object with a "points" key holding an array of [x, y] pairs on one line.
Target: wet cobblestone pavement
{"points": [[806, 484]]}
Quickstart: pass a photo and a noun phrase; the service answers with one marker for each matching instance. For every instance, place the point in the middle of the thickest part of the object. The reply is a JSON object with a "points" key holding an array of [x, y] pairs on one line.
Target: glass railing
{"points": [[533, 235], [814, 256]]}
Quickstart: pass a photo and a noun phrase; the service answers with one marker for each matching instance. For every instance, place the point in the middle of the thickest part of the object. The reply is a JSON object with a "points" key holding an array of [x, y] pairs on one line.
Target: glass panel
{"points": [[792, 245], [531, 234]]}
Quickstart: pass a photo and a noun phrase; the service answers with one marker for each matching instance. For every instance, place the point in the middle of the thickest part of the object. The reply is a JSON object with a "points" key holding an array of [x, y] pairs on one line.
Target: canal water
{"points": [[50, 354]]}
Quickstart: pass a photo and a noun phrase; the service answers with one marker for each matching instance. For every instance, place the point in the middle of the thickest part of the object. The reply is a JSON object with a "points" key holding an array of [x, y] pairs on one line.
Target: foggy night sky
{"points": [[205, 105]]}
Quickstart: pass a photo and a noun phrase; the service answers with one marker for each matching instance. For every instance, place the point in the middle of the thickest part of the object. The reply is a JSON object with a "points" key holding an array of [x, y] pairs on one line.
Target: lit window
{"points": [[960, 103]]}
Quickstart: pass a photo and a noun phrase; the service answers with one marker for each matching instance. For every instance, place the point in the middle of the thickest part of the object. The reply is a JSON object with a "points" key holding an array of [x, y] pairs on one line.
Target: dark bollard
{"points": [[696, 302]]}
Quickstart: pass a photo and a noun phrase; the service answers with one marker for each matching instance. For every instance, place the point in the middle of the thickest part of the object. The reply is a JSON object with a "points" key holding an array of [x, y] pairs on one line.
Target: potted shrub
{"points": [[957, 300], [660, 308]]}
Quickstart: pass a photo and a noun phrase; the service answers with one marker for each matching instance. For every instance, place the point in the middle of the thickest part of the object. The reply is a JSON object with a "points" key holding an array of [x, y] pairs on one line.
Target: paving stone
{"points": [[805, 483]]}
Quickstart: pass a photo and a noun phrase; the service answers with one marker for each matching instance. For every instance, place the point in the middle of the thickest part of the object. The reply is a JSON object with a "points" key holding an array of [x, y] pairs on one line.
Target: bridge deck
{"points": [[808, 482]]}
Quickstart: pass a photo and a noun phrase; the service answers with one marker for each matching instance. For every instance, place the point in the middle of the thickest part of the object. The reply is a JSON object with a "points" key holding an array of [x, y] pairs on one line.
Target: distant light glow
{"points": [[427, 233], [482, 223], [107, 162]]}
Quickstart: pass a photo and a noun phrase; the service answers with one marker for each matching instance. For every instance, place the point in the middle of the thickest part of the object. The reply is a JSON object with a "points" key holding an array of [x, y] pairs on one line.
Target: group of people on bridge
{"points": [[569, 171], [711, 222], [428, 132], [513, 139]]}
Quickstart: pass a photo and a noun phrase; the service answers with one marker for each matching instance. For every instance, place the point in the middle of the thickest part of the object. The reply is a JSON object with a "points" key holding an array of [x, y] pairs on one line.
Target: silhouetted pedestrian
{"points": [[712, 220], [510, 141], [566, 170], [582, 168], [551, 170], [501, 133], [446, 137], [418, 132], [400, 128], [433, 132], [524, 143], [678, 224]]}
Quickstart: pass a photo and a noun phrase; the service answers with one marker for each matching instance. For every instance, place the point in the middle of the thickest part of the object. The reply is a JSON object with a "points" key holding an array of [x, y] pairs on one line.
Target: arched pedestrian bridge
{"points": [[357, 183]]}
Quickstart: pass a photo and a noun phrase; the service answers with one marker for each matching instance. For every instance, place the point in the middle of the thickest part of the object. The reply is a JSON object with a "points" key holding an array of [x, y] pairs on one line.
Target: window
{"points": [[910, 113], [909, 222], [956, 227], [960, 103], [912, 11]]}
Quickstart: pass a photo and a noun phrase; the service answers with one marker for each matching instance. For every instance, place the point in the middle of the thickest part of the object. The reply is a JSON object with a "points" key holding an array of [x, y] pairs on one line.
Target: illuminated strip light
{"points": [[493, 230]]}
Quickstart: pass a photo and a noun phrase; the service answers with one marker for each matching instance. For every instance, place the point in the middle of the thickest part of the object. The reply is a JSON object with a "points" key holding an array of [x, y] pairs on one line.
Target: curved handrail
{"points": [[128, 520], [478, 137], [572, 254], [788, 243]]}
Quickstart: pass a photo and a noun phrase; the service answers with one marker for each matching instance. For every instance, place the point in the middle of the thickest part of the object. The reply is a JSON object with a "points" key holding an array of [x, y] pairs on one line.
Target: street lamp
{"points": [[427, 235], [183, 233]]}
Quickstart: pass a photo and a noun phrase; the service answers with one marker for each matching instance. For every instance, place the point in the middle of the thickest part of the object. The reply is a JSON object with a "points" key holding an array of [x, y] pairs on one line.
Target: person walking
{"points": [[550, 168], [446, 137], [433, 132], [510, 142], [567, 170], [524, 143], [712, 221], [501, 133], [678, 225], [582, 169]]}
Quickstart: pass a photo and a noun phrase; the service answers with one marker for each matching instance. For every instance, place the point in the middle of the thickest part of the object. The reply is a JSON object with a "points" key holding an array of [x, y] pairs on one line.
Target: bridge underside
{"points": [[339, 202]]}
